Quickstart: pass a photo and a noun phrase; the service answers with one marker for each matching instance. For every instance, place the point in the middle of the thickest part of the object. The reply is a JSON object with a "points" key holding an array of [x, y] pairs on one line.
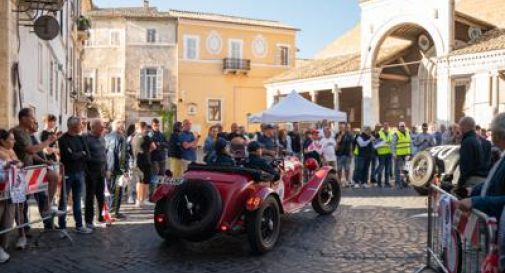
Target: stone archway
{"points": [[406, 64], [381, 19]]}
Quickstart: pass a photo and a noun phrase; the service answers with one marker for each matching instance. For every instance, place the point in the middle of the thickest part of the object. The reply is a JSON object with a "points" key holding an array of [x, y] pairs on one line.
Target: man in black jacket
{"points": [[489, 197], [472, 161], [74, 154], [95, 173], [159, 156], [256, 162], [115, 147]]}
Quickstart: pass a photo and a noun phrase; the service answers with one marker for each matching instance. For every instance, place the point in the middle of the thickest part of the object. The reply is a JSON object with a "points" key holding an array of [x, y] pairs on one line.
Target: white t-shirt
{"points": [[328, 145]]}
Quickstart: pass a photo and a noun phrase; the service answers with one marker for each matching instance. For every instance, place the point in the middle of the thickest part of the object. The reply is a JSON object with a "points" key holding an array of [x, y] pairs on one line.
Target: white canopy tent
{"points": [[295, 108]]}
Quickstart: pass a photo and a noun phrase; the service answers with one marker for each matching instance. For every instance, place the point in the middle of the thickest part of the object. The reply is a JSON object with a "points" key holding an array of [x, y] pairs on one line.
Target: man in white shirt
{"points": [[329, 144]]}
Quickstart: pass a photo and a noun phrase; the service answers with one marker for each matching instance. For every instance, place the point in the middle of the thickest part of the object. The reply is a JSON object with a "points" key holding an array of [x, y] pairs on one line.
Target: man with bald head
{"points": [[95, 173], [74, 155], [471, 156]]}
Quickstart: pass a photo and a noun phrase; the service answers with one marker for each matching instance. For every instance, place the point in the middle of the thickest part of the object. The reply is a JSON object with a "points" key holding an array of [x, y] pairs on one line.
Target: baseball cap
{"points": [[269, 126]]}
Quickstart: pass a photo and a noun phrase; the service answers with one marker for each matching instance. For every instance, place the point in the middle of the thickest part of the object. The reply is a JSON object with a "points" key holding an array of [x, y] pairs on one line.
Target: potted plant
{"points": [[83, 23]]}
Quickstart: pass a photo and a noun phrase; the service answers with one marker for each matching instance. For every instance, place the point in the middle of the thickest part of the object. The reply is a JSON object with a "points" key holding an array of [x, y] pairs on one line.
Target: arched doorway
{"points": [[405, 60]]}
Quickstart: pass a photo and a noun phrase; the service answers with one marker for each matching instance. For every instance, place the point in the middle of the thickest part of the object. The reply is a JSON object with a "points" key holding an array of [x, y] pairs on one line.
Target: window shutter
{"points": [[159, 83], [278, 55], [142, 82]]}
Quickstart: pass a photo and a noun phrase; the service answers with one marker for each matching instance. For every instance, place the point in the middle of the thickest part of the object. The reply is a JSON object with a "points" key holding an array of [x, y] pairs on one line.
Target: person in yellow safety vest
{"points": [[384, 153], [401, 152]]}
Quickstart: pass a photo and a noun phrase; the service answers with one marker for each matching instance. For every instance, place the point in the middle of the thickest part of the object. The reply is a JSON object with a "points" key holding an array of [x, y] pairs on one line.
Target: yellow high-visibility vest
{"points": [[403, 143], [385, 149], [356, 150]]}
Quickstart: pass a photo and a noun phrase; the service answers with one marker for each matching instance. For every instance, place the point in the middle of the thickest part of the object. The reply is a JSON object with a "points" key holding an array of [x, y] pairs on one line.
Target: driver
{"points": [[256, 162], [268, 141]]}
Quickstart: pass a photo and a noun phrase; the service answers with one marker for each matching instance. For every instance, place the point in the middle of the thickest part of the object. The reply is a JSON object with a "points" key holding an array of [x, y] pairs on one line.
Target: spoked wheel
{"points": [[421, 169], [327, 198], [263, 226], [194, 210]]}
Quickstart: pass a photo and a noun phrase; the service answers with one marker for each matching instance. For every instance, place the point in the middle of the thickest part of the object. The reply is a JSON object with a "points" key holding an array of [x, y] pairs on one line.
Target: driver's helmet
{"points": [[311, 164]]}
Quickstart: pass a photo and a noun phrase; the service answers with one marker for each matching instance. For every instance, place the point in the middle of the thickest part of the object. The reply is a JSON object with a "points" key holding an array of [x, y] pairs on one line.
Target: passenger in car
{"points": [[222, 158], [254, 161]]}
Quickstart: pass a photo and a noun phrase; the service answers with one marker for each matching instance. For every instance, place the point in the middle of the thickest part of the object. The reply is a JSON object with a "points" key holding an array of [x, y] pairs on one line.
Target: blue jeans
{"points": [[73, 183], [399, 165], [384, 166], [362, 167]]}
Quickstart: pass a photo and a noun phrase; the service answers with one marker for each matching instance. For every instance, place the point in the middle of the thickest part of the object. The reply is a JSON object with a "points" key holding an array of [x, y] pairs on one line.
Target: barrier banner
{"points": [[27, 181], [17, 185], [467, 225], [445, 212], [36, 178], [4, 193]]}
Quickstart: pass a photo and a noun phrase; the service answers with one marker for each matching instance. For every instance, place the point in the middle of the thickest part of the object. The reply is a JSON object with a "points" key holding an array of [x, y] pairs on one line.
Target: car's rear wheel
{"points": [[194, 210], [160, 220], [263, 226], [328, 197]]}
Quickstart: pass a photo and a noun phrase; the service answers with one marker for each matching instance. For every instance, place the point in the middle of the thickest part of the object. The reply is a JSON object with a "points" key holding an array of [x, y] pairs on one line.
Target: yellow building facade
{"points": [[224, 62]]}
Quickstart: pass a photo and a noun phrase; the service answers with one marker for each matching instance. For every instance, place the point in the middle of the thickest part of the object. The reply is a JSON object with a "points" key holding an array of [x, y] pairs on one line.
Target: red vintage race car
{"points": [[233, 200]]}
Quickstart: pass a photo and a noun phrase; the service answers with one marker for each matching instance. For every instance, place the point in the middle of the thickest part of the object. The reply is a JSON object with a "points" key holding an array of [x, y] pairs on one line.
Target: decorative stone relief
{"points": [[259, 46], [214, 43]]}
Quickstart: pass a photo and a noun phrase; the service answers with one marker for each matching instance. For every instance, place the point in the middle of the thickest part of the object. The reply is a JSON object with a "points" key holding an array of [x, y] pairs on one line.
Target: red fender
{"points": [[163, 191], [257, 198], [311, 188]]}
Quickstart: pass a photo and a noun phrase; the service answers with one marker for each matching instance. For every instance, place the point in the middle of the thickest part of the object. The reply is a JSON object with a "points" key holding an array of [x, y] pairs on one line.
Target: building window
{"points": [[115, 38], [115, 85], [191, 47], [235, 49], [41, 66], [151, 83], [214, 109], [89, 83], [283, 52], [51, 78], [151, 36]]}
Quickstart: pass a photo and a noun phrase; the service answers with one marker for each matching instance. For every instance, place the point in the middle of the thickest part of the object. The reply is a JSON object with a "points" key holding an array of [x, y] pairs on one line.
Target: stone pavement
{"points": [[374, 230]]}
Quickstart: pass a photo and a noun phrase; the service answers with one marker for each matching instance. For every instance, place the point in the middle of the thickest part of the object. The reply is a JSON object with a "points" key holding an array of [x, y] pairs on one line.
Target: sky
{"points": [[320, 21]]}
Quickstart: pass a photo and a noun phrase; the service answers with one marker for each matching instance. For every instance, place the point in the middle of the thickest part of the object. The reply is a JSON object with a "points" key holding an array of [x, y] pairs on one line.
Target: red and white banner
{"points": [[35, 176], [36, 179], [467, 224]]}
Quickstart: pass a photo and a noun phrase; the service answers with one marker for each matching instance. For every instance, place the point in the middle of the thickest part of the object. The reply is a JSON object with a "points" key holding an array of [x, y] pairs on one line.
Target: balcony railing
{"points": [[232, 65]]}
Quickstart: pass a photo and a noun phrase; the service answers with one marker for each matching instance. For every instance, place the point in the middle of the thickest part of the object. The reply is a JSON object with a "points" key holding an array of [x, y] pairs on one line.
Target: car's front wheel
{"points": [[328, 197], [263, 226]]}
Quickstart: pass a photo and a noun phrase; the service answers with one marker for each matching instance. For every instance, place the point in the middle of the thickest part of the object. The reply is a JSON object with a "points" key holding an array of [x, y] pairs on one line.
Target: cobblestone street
{"points": [[372, 231]]}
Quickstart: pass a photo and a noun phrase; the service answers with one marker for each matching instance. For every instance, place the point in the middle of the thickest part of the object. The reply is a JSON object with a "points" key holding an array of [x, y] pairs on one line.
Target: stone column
{"points": [[495, 93], [370, 101], [445, 98], [336, 96], [313, 96]]}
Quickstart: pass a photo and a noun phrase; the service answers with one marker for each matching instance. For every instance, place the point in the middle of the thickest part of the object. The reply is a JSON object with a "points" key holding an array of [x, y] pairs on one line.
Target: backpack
{"points": [[174, 147]]}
